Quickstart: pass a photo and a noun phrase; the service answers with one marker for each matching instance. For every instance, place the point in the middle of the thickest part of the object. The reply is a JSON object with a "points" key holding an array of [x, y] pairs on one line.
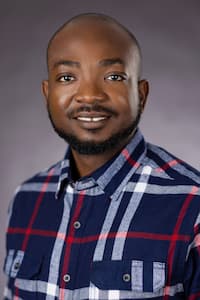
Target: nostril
{"points": [[89, 98], [89, 92]]}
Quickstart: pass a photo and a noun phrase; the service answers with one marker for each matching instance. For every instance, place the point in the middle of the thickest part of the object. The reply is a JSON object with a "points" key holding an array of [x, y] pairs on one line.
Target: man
{"points": [[118, 218]]}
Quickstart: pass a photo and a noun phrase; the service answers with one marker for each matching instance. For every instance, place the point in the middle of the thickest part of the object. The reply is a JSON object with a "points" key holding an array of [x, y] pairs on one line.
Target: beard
{"points": [[95, 148]]}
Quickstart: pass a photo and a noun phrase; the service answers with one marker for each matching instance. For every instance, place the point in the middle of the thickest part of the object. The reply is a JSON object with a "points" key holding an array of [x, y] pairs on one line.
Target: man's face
{"points": [[92, 91]]}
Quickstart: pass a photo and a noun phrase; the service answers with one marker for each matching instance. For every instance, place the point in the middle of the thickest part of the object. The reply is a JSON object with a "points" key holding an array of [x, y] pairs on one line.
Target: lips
{"points": [[91, 116], [92, 120]]}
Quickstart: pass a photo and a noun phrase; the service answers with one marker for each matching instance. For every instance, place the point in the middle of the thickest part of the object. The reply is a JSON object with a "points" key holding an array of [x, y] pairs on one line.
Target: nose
{"points": [[90, 92]]}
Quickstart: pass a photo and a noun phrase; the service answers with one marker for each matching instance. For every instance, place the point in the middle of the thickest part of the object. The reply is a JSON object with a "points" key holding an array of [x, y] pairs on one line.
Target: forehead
{"points": [[90, 38]]}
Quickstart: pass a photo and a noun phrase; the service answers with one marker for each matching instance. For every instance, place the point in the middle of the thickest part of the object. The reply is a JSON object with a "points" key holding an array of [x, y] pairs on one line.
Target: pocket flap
{"points": [[21, 264], [111, 275], [136, 275]]}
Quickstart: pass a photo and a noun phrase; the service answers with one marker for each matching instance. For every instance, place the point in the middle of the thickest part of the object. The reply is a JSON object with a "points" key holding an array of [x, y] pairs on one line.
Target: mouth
{"points": [[91, 119]]}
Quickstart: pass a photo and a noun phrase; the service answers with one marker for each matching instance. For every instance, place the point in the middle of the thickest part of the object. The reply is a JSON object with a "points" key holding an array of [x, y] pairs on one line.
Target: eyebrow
{"points": [[111, 61], [104, 63], [69, 63]]}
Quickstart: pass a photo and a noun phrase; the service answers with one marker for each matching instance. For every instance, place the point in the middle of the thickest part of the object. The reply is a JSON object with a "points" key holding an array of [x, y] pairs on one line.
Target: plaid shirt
{"points": [[130, 230]]}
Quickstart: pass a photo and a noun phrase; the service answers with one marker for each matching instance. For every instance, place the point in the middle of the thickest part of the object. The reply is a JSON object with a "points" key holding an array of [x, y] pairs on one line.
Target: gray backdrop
{"points": [[169, 33]]}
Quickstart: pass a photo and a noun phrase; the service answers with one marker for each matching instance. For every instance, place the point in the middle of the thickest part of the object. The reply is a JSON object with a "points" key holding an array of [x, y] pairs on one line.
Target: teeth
{"points": [[94, 119]]}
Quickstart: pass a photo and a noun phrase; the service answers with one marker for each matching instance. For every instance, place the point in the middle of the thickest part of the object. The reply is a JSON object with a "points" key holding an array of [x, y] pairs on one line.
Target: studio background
{"points": [[169, 34]]}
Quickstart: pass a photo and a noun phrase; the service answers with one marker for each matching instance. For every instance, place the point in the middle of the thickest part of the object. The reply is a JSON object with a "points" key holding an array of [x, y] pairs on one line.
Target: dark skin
{"points": [[92, 62]]}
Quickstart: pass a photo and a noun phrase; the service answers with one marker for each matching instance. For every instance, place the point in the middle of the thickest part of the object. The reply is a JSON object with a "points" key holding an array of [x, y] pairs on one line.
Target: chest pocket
{"points": [[136, 276], [19, 264]]}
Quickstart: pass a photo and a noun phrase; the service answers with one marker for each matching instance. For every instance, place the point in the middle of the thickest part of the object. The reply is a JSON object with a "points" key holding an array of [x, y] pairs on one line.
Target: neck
{"points": [[83, 165]]}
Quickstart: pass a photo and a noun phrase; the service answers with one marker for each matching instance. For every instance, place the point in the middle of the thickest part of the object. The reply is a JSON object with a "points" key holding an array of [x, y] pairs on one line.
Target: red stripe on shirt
{"points": [[172, 245], [129, 159], [110, 235], [194, 296], [35, 211], [36, 208], [168, 165]]}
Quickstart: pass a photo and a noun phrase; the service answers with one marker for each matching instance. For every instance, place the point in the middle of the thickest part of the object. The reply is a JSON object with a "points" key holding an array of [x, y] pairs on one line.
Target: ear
{"points": [[45, 89], [143, 89]]}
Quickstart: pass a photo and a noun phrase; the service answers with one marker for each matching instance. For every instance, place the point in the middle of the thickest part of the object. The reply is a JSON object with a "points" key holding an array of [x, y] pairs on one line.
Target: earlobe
{"points": [[143, 89], [45, 89]]}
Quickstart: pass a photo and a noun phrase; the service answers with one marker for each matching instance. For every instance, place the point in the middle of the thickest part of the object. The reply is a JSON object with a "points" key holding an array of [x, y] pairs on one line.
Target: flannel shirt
{"points": [[130, 230]]}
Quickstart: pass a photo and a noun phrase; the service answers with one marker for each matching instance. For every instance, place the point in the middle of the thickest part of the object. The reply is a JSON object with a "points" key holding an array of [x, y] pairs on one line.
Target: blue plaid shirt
{"points": [[130, 230]]}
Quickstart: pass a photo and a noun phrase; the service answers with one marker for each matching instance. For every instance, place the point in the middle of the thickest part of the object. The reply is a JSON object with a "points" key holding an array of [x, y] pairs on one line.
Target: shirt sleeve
{"points": [[192, 269], [9, 259]]}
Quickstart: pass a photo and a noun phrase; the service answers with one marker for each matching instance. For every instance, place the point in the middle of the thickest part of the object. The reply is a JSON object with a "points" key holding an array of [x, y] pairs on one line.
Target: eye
{"points": [[66, 78], [116, 77]]}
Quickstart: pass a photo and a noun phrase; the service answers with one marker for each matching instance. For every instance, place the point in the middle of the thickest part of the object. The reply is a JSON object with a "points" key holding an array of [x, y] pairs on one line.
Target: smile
{"points": [[91, 119]]}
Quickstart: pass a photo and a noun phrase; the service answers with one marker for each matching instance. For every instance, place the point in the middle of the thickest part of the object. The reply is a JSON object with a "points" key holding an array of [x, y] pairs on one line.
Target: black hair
{"points": [[103, 18]]}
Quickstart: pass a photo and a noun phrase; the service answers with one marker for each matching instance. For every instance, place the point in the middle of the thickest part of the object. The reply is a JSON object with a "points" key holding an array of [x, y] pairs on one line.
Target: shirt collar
{"points": [[112, 176]]}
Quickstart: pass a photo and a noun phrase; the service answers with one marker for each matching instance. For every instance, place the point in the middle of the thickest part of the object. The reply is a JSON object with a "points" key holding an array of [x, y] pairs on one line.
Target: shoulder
{"points": [[177, 185], [53, 170], [34, 183], [165, 162], [27, 193]]}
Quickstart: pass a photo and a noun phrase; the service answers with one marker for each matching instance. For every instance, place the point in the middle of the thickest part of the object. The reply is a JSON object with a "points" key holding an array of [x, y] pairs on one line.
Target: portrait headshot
{"points": [[100, 150]]}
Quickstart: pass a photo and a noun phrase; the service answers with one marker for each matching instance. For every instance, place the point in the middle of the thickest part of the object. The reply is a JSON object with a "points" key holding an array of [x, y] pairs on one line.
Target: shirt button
{"points": [[126, 277], [66, 278], [77, 225], [17, 266]]}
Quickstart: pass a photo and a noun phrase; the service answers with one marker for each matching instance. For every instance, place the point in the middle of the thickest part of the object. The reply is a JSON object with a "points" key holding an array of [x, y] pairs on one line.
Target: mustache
{"points": [[91, 108]]}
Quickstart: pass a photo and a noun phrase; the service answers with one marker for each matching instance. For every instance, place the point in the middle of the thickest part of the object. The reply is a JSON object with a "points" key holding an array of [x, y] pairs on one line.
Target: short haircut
{"points": [[104, 18]]}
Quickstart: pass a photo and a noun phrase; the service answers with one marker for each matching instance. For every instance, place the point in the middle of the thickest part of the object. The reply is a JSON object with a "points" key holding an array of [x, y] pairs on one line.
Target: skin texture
{"points": [[93, 73]]}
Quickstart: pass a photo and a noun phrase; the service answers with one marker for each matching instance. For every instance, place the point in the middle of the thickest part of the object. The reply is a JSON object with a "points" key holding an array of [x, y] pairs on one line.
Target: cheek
{"points": [[58, 99], [127, 105], [133, 101], [125, 96]]}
